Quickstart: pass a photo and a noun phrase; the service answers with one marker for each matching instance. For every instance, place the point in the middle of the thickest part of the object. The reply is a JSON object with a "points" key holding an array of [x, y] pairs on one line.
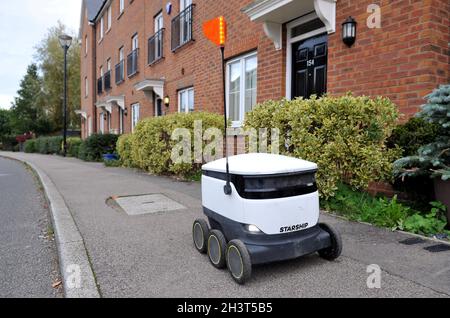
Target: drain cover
{"points": [[438, 248], [413, 241], [148, 204]]}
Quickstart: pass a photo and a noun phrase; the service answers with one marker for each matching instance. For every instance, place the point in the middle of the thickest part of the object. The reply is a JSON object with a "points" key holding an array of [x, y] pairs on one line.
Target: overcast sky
{"points": [[23, 23]]}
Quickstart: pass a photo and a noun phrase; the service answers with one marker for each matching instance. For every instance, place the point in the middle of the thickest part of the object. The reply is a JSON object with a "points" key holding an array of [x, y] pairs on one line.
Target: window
{"points": [[132, 59], [182, 25], [107, 76], [102, 27], [86, 45], [86, 87], [120, 67], [109, 17], [121, 6], [155, 43], [241, 87], [186, 100], [135, 42], [135, 110]]}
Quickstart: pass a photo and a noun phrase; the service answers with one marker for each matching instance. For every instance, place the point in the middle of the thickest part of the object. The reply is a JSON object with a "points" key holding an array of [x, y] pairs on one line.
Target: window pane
{"points": [[182, 102], [234, 90], [191, 100], [251, 65]]}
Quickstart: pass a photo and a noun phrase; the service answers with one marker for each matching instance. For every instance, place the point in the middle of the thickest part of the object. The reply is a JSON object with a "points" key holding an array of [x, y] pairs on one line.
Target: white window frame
{"points": [[184, 4], [108, 65], [109, 17], [135, 42], [135, 119], [121, 54], [86, 44], [292, 40], [242, 58], [102, 122], [180, 97], [102, 28], [121, 6], [90, 126]]}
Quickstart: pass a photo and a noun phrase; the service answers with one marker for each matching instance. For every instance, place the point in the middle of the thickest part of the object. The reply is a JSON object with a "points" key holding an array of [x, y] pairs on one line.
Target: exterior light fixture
{"points": [[65, 41], [349, 31], [125, 111], [167, 101]]}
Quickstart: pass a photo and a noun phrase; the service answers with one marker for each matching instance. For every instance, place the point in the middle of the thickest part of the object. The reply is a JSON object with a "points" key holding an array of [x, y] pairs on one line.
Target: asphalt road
{"points": [[153, 255], [28, 257]]}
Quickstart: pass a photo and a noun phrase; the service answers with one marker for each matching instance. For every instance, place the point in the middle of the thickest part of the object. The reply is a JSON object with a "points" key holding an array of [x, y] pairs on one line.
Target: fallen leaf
{"points": [[57, 284]]}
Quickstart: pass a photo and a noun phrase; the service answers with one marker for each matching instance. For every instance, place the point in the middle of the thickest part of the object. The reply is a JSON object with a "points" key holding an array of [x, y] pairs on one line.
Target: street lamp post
{"points": [[65, 42]]}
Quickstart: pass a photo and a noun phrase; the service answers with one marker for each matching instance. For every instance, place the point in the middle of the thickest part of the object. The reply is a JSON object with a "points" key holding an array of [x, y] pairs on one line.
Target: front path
{"points": [[153, 255]]}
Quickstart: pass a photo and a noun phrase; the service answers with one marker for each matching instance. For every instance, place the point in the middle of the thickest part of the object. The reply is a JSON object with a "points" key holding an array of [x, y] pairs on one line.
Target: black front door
{"points": [[309, 67]]}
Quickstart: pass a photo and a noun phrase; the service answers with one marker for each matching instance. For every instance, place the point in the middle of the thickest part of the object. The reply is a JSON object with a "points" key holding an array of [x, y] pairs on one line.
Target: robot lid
{"points": [[261, 164]]}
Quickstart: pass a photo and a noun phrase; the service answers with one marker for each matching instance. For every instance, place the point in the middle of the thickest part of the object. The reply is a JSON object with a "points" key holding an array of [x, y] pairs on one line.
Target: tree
{"points": [[432, 159], [5, 126], [27, 112], [50, 57]]}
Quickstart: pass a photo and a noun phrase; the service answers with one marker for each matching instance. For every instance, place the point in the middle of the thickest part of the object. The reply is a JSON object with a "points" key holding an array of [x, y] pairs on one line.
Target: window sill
{"points": [[182, 46], [120, 82], [120, 15], [155, 62], [133, 75], [101, 40], [108, 31]]}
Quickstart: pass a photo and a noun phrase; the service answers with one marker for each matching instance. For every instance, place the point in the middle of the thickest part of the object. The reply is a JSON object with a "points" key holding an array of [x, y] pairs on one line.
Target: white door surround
{"points": [[294, 39], [275, 13]]}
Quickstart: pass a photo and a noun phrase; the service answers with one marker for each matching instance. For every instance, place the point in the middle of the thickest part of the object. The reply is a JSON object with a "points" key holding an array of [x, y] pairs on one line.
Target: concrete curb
{"points": [[77, 275]]}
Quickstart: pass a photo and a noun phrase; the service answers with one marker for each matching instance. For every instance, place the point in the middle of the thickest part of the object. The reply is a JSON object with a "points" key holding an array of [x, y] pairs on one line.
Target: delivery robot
{"points": [[261, 208]]}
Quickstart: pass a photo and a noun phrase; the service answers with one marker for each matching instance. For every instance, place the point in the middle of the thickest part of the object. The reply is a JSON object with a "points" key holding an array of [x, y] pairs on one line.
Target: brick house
{"points": [[143, 58]]}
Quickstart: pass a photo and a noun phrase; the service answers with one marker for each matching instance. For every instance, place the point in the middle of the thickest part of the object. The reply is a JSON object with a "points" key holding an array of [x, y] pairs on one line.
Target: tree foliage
{"points": [[50, 57], [432, 159], [27, 112]]}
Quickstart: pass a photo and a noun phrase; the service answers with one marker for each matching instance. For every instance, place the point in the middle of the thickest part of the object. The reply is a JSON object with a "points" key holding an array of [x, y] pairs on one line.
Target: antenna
{"points": [[216, 31], [227, 189]]}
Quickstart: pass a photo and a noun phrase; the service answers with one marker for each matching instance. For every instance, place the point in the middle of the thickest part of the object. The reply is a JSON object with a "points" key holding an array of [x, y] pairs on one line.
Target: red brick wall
{"points": [[404, 60]]}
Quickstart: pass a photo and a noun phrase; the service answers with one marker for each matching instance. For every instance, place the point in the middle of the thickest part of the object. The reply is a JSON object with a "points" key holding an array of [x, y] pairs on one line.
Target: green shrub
{"points": [[73, 146], [346, 136], [30, 146], [9, 143], [94, 147], [82, 152], [413, 135], [152, 145], [55, 145], [124, 148], [42, 145]]}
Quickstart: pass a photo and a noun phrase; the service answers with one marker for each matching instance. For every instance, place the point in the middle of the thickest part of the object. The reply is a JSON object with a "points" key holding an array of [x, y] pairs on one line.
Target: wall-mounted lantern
{"points": [[349, 31], [167, 101], [125, 111]]}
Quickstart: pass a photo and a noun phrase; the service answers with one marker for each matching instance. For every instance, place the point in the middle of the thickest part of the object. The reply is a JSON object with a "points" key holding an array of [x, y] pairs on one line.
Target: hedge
{"points": [[94, 147], [73, 146], [150, 146], [346, 136], [124, 148]]}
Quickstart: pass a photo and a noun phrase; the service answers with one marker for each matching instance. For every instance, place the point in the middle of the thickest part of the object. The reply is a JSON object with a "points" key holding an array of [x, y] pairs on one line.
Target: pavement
{"points": [[28, 257], [153, 255]]}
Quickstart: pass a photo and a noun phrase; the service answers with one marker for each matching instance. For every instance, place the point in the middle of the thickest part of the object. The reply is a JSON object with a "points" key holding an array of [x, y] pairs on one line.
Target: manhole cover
{"points": [[148, 204], [413, 241], [438, 248]]}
